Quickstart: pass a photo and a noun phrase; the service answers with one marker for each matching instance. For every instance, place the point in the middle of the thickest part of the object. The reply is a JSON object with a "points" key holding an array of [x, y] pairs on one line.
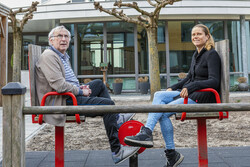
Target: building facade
{"points": [[99, 38]]}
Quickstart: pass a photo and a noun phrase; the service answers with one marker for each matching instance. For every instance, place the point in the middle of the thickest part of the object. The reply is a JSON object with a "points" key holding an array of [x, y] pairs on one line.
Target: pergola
{"points": [[4, 12]]}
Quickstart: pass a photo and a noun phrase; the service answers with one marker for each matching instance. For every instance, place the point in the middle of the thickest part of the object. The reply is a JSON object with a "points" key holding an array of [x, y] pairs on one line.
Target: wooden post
{"points": [[13, 125]]}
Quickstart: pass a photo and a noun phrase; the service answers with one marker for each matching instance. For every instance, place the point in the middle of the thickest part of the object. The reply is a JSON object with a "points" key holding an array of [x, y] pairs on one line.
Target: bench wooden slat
{"points": [[34, 54]]}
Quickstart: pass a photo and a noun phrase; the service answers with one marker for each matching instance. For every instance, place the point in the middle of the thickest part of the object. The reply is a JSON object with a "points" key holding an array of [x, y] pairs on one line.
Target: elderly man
{"points": [[54, 73]]}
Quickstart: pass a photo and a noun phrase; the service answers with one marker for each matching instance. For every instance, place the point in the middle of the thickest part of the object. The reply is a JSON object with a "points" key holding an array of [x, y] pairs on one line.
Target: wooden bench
{"points": [[34, 54], [222, 47]]}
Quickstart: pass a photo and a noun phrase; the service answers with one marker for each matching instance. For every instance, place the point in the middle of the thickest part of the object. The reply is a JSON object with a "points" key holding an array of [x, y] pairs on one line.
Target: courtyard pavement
{"points": [[217, 157]]}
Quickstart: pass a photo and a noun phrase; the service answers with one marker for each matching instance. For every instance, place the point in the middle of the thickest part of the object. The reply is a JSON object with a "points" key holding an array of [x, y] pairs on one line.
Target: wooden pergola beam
{"points": [[4, 11], [2, 32]]}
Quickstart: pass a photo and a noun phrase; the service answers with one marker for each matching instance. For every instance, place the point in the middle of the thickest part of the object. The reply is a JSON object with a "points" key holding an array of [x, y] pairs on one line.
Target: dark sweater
{"points": [[204, 72]]}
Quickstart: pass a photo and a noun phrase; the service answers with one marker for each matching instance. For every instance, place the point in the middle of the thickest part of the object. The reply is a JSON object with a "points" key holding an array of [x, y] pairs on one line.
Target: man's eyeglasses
{"points": [[61, 36]]}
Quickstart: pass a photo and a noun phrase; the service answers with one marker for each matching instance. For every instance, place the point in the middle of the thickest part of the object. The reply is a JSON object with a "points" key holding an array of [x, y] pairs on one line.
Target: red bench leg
{"points": [[59, 146], [202, 142]]}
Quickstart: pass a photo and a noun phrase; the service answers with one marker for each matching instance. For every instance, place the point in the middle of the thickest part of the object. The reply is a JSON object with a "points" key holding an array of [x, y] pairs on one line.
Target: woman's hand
{"points": [[169, 89], [184, 93], [86, 90]]}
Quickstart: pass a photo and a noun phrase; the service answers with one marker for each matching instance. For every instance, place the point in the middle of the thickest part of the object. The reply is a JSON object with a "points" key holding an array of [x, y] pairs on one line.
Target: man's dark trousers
{"points": [[100, 96]]}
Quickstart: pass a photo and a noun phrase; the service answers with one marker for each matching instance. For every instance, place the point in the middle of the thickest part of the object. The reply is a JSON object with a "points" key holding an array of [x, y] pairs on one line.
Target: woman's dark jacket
{"points": [[204, 72]]}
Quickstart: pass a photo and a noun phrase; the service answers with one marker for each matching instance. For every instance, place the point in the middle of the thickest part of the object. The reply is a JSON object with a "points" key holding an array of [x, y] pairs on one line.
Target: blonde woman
{"points": [[204, 72]]}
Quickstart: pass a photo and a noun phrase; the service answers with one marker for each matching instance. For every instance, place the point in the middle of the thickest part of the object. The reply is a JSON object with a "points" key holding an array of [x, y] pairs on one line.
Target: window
{"points": [[27, 39], [216, 29], [180, 45], [120, 48], [90, 47], [186, 28]]}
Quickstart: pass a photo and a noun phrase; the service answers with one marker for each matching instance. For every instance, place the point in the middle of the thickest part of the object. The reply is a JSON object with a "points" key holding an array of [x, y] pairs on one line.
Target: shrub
{"points": [[242, 79], [234, 88], [182, 75], [87, 80], [143, 79], [118, 80]]}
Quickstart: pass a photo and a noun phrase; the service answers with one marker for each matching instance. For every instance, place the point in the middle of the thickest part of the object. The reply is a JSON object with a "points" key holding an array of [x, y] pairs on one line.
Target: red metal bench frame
{"points": [[202, 128], [59, 130], [40, 118]]}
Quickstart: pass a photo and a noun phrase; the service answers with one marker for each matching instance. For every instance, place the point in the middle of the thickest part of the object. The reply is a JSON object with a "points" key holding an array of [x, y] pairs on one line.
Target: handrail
{"points": [[40, 118], [111, 109], [217, 97]]}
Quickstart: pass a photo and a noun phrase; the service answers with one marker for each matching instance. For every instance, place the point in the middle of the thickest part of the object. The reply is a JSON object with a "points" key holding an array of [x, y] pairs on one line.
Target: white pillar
{"points": [[244, 46]]}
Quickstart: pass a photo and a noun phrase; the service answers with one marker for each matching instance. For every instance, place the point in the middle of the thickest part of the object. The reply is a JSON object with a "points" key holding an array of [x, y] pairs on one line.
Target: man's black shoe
{"points": [[142, 139]]}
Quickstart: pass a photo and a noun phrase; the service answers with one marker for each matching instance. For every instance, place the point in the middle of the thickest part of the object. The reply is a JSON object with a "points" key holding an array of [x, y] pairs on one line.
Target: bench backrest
{"points": [[222, 47], [34, 54]]}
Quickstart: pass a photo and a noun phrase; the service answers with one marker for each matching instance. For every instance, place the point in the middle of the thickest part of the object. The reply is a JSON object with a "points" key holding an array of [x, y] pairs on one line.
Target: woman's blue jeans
{"points": [[165, 97]]}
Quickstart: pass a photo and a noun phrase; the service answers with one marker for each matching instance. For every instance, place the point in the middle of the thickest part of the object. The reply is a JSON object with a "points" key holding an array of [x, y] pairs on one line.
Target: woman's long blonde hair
{"points": [[210, 42]]}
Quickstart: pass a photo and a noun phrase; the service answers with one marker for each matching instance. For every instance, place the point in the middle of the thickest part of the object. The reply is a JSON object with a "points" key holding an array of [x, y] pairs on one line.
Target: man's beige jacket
{"points": [[50, 76]]}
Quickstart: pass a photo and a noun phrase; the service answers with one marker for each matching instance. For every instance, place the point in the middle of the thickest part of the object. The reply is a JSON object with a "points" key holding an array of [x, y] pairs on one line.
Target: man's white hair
{"points": [[51, 33]]}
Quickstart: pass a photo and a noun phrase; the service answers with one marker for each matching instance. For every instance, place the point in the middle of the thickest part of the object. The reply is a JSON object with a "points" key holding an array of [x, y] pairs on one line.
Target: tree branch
{"points": [[13, 21], [141, 18], [158, 1], [21, 10], [151, 3], [28, 15], [120, 15], [162, 4], [170, 2], [11, 16], [135, 6]]}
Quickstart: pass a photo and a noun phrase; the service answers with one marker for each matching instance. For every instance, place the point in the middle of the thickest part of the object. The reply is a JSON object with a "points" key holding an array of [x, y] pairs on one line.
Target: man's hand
{"points": [[184, 93], [86, 90]]}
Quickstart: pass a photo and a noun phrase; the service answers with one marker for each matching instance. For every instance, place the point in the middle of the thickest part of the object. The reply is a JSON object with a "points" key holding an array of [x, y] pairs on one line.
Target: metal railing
{"points": [[177, 108]]}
